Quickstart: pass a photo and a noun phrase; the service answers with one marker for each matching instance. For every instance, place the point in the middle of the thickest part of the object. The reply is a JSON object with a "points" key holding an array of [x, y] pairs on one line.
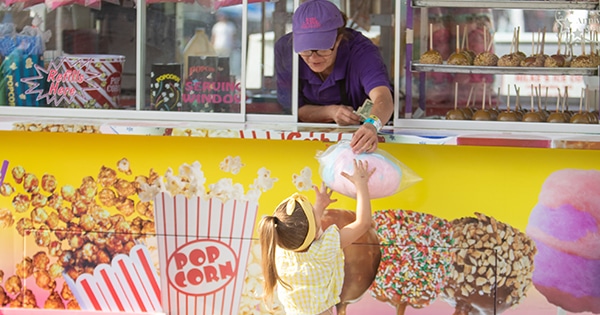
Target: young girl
{"points": [[307, 262]]}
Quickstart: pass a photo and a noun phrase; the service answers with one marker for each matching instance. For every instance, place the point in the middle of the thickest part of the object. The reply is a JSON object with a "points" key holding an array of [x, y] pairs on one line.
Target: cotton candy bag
{"points": [[390, 177]]}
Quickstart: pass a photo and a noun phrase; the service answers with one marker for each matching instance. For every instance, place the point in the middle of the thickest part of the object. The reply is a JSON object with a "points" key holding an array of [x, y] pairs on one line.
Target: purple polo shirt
{"points": [[358, 69]]}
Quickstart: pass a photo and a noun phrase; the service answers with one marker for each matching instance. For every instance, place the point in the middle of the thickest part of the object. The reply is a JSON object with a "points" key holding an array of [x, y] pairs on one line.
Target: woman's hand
{"points": [[344, 115], [364, 139]]}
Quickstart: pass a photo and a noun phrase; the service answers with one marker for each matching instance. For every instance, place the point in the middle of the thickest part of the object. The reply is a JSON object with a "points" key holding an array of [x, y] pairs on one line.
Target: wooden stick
{"points": [[518, 38], [532, 44], [489, 46], [558, 100], [539, 103], [559, 39], [583, 43], [543, 40], [546, 99], [531, 103], [483, 98], [507, 97], [581, 100], [470, 94], [464, 38], [564, 104], [512, 43], [518, 101], [484, 37], [430, 36], [456, 95], [457, 38]]}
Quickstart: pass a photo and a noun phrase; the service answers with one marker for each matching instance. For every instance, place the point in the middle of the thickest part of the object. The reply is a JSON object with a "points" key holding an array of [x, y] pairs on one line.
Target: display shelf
{"points": [[420, 67], [506, 4], [415, 67]]}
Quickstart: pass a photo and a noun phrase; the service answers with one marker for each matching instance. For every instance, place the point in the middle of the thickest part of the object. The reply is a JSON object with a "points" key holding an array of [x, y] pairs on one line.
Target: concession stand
{"points": [[140, 150]]}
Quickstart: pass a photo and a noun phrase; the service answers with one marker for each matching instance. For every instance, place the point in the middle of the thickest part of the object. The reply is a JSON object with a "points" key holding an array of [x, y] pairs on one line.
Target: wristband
{"points": [[375, 121]]}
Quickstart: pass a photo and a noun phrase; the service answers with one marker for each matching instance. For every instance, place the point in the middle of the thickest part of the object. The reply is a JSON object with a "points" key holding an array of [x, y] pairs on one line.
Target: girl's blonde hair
{"points": [[288, 231]]}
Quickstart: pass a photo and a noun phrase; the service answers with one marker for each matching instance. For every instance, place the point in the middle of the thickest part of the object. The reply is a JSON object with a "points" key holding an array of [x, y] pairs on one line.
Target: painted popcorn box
{"points": [[204, 245]]}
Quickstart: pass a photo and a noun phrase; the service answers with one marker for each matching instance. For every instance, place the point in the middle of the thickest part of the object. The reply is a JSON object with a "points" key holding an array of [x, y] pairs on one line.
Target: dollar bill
{"points": [[364, 110]]}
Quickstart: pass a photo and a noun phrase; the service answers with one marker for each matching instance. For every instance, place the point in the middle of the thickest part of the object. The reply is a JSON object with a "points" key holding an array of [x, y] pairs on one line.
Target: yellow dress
{"points": [[316, 275]]}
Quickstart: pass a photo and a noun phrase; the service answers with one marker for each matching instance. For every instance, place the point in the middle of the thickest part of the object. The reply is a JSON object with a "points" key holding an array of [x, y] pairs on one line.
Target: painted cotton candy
{"points": [[565, 225]]}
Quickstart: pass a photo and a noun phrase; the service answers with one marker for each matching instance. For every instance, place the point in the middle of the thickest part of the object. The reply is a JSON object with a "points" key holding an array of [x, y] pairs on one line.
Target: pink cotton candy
{"points": [[390, 176]]}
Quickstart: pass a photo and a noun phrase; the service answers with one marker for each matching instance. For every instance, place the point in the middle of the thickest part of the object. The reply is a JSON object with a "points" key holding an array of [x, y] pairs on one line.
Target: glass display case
{"points": [[180, 60]]}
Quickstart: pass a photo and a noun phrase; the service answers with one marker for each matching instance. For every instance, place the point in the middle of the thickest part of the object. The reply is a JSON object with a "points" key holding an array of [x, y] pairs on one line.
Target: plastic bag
{"points": [[390, 177]]}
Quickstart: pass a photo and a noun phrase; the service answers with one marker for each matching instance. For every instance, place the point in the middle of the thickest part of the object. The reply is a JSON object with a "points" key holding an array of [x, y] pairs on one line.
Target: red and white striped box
{"points": [[129, 284], [204, 245]]}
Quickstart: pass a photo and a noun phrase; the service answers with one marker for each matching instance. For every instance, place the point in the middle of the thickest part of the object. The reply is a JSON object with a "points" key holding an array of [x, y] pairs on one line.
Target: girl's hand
{"points": [[323, 199], [361, 174]]}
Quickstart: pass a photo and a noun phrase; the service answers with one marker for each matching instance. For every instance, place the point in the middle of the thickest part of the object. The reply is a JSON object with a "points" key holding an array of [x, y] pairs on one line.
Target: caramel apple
{"points": [[431, 56], [583, 60], [510, 60], [533, 115], [557, 60], [514, 58], [456, 58], [558, 116], [455, 114], [580, 117], [486, 58], [483, 113], [508, 114], [469, 54]]}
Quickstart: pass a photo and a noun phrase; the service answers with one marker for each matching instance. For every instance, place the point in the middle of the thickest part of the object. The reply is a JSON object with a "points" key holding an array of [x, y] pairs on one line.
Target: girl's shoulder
{"points": [[330, 239]]}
